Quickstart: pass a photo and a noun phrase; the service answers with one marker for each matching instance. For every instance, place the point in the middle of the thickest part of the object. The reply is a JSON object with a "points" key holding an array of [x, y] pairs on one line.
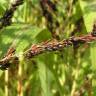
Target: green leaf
{"points": [[19, 35], [89, 12], [45, 79]]}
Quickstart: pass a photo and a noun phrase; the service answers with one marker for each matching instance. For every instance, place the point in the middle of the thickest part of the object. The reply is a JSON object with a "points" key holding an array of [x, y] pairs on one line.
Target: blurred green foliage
{"points": [[60, 73]]}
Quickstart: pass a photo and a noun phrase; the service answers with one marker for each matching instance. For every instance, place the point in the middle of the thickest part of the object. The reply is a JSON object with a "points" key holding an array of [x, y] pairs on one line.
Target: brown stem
{"points": [[6, 19], [52, 45], [48, 9]]}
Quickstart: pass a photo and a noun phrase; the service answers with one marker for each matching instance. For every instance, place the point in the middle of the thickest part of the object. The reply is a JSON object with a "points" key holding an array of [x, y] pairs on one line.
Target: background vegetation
{"points": [[67, 72]]}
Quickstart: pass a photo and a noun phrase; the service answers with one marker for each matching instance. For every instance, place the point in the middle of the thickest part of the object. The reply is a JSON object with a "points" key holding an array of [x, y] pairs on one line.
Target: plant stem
{"points": [[20, 87], [76, 74], [6, 82]]}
